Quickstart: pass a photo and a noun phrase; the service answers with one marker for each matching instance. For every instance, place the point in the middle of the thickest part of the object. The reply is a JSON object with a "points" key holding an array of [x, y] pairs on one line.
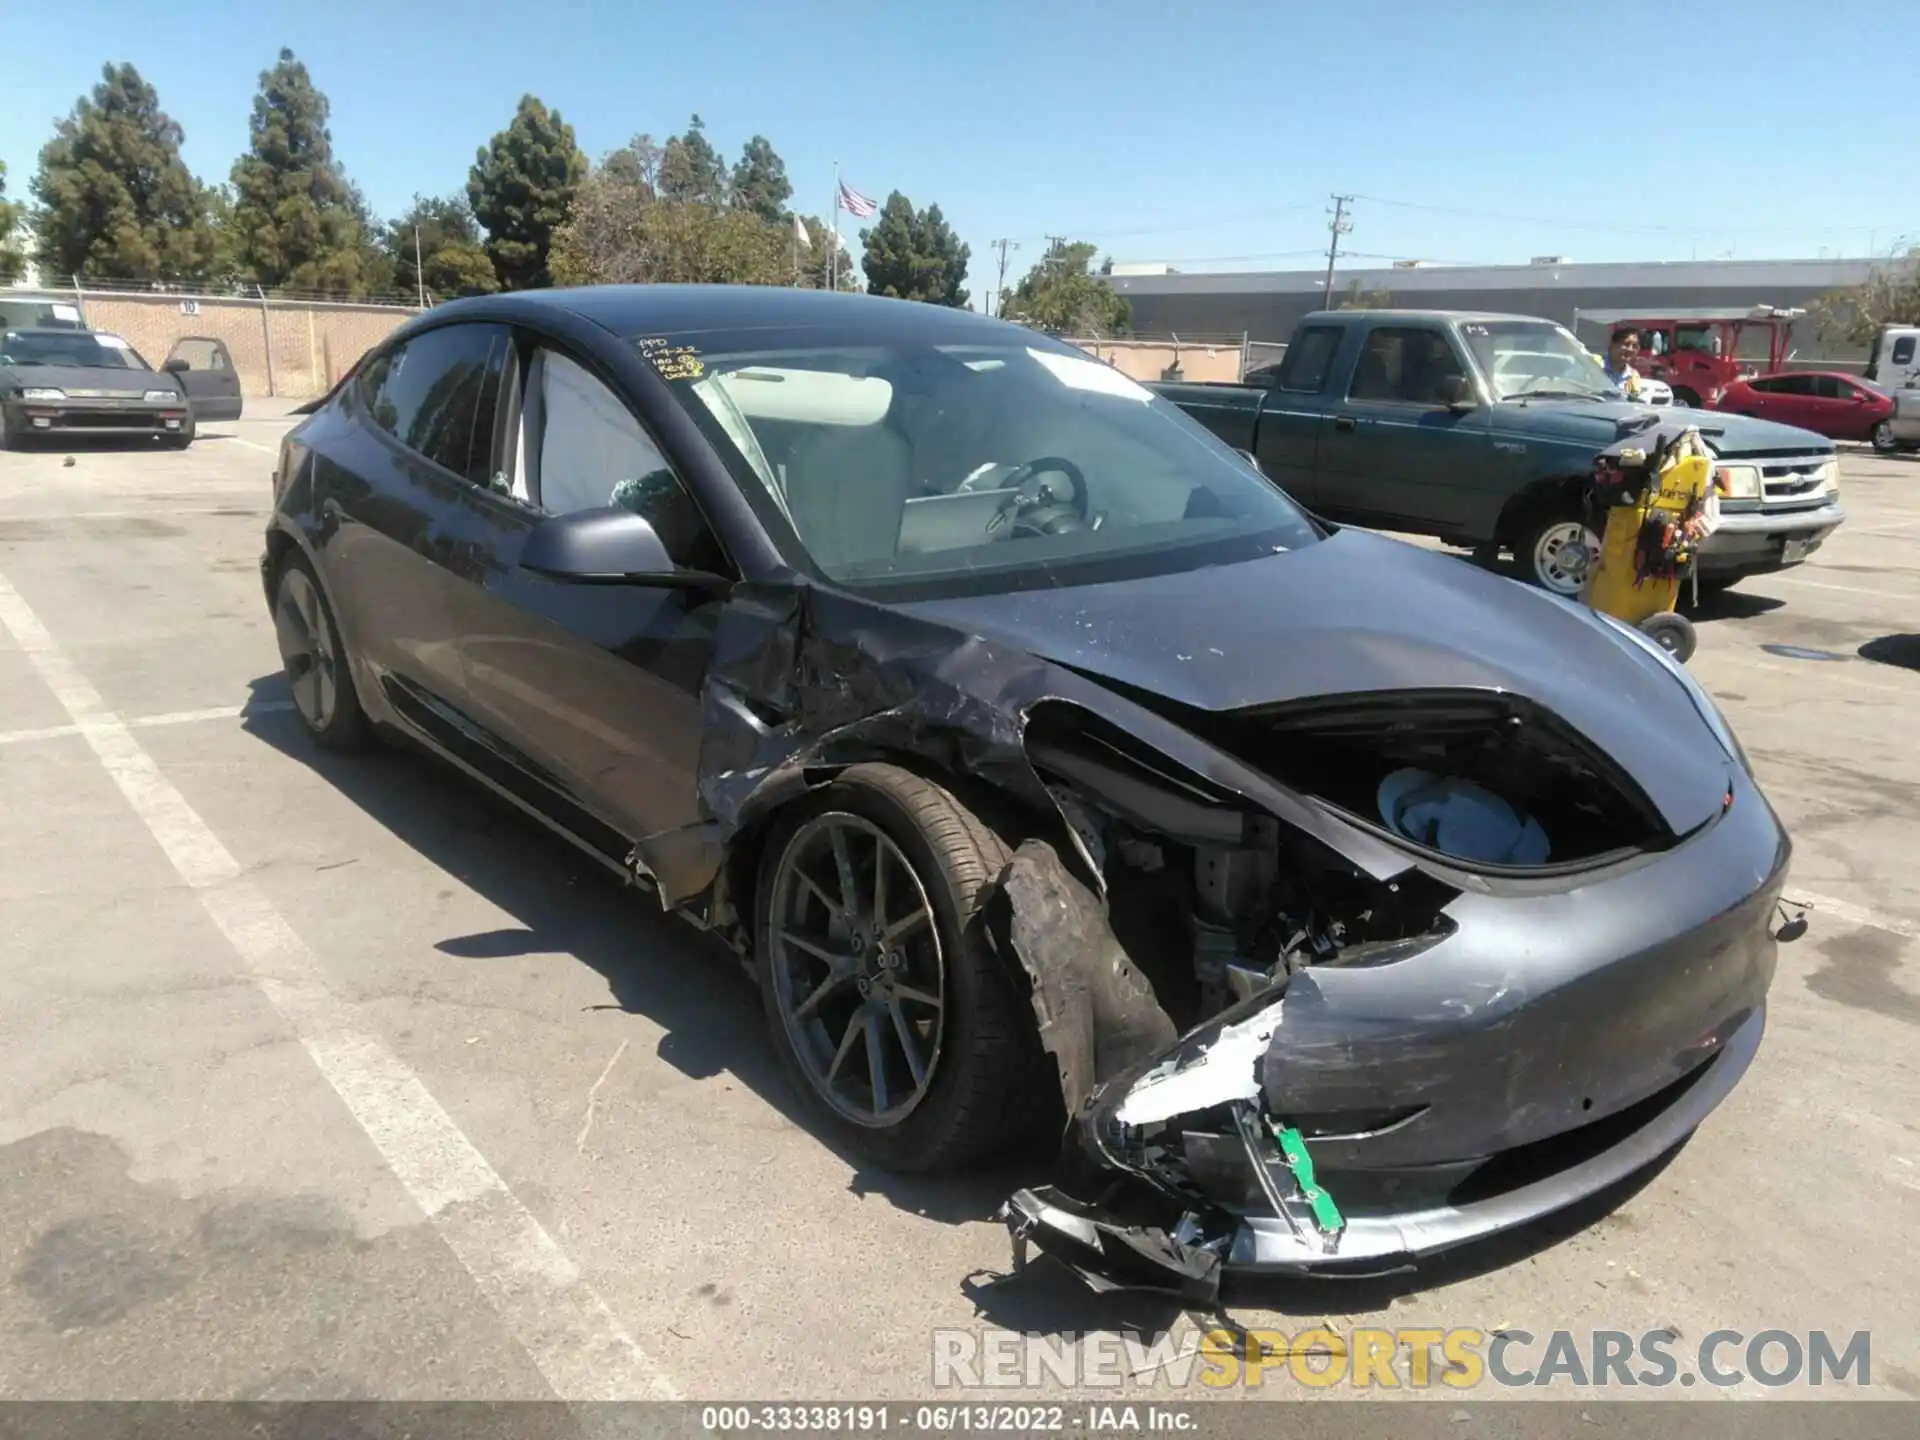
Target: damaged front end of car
{"points": [[1328, 982]]}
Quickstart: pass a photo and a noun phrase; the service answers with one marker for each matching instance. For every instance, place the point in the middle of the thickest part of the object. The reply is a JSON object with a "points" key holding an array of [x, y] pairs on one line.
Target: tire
{"points": [[982, 1075], [1883, 441], [183, 439], [324, 696], [1543, 536], [1673, 632], [1685, 399]]}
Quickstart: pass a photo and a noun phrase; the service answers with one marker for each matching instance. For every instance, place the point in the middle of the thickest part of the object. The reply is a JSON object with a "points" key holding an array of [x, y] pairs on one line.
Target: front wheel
{"points": [[898, 1024], [1884, 442], [1556, 552]]}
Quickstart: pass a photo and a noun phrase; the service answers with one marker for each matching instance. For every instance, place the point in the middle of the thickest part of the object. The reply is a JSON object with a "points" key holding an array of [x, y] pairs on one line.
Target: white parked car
{"points": [[1903, 426]]}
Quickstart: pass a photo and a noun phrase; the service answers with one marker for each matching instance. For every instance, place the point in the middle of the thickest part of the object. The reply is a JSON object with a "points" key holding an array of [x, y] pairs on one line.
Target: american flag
{"points": [[854, 203]]}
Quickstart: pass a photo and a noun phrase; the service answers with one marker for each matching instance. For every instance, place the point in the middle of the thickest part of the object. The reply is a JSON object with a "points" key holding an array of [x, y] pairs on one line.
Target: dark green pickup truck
{"points": [[1481, 430]]}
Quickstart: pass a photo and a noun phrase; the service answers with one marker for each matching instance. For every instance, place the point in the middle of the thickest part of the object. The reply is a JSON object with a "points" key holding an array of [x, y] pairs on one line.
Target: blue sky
{"points": [[1207, 134]]}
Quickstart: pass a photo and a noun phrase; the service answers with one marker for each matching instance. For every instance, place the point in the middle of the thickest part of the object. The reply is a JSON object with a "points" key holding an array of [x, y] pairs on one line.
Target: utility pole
{"points": [[1000, 285], [1340, 225], [419, 275]]}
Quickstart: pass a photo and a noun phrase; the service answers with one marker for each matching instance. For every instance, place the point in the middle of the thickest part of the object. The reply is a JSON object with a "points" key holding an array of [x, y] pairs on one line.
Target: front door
{"points": [[205, 371], [1394, 454], [591, 692]]}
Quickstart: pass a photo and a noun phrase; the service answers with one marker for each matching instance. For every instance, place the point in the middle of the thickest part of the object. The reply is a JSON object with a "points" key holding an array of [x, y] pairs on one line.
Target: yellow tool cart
{"points": [[1653, 502]]}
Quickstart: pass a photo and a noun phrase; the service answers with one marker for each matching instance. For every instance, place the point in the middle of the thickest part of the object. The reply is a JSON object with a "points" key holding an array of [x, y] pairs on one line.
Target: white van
{"points": [[1895, 361]]}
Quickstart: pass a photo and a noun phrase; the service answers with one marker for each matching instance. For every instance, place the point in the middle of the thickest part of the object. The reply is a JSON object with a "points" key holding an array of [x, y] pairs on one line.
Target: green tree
{"points": [[1061, 294], [691, 170], [1378, 298], [914, 255], [12, 259], [624, 229], [296, 220], [522, 187], [452, 261], [115, 201], [760, 181], [1890, 295]]}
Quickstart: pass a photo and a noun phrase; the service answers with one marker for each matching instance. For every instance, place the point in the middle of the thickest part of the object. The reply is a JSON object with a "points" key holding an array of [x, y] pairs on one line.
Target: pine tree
{"points": [[691, 171], [296, 220], [760, 181], [12, 259], [914, 255], [115, 201], [522, 187]]}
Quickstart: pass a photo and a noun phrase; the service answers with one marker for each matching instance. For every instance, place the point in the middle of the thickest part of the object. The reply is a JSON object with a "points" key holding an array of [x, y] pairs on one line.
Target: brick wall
{"points": [[314, 343]]}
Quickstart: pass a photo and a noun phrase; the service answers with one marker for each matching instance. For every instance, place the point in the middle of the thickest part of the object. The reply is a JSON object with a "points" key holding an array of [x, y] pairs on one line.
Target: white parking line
{"points": [[146, 722], [1826, 675], [1855, 914], [1848, 589], [250, 444], [580, 1347]]}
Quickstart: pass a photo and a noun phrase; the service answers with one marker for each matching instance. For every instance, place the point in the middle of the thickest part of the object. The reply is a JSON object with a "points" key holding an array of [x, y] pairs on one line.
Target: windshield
{"points": [[1004, 464], [91, 351], [1534, 357]]}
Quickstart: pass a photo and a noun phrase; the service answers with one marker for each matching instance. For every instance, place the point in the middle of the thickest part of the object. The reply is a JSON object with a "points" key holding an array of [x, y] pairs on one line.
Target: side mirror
{"points": [[1457, 394], [176, 367], [609, 546]]}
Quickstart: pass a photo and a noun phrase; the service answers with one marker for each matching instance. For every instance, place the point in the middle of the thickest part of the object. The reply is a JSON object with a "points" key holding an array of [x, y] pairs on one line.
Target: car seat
{"points": [[847, 489]]}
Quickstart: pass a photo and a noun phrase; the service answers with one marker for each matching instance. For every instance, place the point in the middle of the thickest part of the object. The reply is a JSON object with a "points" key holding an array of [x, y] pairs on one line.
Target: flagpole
{"points": [[833, 255]]}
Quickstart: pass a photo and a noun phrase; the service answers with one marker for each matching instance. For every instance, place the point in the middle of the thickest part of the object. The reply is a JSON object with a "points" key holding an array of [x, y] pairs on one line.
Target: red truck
{"points": [[1701, 351]]}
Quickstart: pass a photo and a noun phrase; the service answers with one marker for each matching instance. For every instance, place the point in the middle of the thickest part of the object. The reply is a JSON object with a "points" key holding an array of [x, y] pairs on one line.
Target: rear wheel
{"points": [[901, 1028], [1883, 439], [315, 659], [1685, 398], [1555, 551]]}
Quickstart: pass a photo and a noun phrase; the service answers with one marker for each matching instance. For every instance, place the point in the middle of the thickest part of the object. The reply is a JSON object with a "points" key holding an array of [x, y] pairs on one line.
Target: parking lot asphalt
{"points": [[328, 1077]]}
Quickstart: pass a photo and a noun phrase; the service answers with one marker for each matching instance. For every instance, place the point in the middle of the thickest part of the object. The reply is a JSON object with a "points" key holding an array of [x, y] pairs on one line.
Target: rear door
{"points": [[1294, 415], [1394, 454], [591, 693], [205, 371], [389, 493]]}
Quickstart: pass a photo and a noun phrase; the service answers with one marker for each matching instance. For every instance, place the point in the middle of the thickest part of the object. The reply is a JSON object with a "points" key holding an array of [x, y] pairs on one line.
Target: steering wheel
{"points": [[1038, 510]]}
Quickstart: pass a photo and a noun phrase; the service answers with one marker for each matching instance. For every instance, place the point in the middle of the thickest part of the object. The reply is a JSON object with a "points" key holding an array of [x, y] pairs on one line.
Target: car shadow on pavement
{"points": [[1726, 605], [1902, 651], [688, 983]]}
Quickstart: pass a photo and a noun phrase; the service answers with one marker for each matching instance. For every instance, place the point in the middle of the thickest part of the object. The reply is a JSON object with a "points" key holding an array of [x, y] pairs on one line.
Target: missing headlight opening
{"points": [[1223, 905]]}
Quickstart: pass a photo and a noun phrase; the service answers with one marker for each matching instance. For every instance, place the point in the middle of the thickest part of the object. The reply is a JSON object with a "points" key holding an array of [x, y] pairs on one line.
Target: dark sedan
{"points": [[1043, 760], [58, 381]]}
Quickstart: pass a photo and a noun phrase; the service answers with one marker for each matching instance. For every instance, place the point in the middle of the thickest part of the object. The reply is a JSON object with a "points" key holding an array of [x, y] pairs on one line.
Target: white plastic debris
{"points": [[1226, 1070], [1458, 817]]}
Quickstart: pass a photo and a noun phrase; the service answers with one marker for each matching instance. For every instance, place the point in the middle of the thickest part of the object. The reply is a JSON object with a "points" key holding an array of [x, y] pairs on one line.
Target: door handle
{"points": [[1343, 423]]}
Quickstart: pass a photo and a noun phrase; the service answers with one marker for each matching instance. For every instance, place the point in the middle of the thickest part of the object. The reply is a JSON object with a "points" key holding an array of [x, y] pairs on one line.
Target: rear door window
{"points": [[1903, 350], [437, 394]]}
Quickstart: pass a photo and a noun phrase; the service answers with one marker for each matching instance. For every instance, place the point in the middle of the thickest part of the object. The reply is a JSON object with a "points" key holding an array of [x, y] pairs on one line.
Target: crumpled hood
{"points": [[1359, 613], [74, 378]]}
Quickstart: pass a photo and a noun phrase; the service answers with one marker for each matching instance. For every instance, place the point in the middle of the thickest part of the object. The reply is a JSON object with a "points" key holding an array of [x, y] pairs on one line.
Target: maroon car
{"points": [[1827, 402]]}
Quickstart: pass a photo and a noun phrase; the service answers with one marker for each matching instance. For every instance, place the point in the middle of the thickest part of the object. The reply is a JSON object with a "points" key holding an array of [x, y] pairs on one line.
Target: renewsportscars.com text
{"points": [[1405, 1358]]}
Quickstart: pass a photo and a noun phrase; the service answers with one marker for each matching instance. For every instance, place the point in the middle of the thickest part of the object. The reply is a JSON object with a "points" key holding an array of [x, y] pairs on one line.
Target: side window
{"points": [[1764, 387], [1404, 366], [200, 354], [1830, 387], [1308, 358], [437, 395], [1903, 350], [1793, 385], [582, 449]]}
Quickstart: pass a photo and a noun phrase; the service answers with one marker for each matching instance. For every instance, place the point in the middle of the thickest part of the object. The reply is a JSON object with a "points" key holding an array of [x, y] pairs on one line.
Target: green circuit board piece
{"points": [[1293, 1147]]}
